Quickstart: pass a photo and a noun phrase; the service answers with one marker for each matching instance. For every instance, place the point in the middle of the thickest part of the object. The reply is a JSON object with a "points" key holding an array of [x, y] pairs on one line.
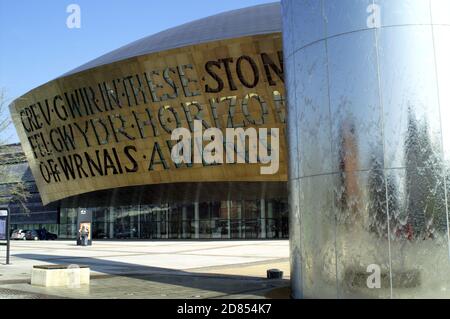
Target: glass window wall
{"points": [[248, 219]]}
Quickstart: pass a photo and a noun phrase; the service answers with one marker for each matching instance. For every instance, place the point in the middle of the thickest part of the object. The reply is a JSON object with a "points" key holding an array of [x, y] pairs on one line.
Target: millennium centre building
{"points": [[98, 139], [359, 93]]}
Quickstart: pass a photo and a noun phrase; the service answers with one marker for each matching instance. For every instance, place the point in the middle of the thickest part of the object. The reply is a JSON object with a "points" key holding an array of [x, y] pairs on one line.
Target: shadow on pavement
{"points": [[220, 283]]}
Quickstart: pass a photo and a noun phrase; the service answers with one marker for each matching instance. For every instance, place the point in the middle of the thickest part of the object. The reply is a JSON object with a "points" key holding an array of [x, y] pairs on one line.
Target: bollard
{"points": [[274, 274]]}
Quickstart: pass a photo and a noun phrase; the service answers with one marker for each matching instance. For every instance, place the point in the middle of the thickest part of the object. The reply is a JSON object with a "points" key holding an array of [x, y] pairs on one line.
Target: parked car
{"points": [[32, 235], [18, 234], [46, 235], [124, 234]]}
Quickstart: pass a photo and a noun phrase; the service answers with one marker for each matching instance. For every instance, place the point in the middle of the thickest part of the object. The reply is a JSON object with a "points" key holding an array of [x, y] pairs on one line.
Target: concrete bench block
{"points": [[71, 276]]}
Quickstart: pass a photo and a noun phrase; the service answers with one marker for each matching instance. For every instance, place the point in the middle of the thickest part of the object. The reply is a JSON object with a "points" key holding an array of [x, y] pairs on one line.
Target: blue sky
{"points": [[36, 46]]}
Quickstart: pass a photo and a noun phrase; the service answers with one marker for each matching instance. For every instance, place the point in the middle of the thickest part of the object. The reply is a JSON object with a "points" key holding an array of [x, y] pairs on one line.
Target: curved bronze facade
{"points": [[110, 126]]}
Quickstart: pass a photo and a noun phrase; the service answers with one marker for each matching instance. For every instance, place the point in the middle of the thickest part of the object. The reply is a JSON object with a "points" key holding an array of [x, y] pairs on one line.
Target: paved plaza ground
{"points": [[152, 269]]}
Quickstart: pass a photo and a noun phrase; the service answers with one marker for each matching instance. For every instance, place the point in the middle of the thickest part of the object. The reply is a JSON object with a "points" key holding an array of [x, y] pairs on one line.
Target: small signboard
{"points": [[3, 224], [4, 230], [84, 237]]}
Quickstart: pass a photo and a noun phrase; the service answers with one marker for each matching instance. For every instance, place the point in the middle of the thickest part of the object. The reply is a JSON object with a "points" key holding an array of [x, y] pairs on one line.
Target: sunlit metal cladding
{"points": [[109, 124], [369, 145]]}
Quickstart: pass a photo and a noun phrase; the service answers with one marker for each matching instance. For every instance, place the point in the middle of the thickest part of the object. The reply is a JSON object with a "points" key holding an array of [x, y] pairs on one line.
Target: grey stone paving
{"points": [[151, 269], [160, 287], [6, 293]]}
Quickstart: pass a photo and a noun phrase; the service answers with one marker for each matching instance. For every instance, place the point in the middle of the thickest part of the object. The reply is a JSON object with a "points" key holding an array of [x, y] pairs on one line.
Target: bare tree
{"points": [[5, 122], [13, 188]]}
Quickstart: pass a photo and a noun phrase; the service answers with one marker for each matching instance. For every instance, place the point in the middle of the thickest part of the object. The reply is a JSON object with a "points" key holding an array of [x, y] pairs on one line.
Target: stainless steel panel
{"points": [[361, 233], [345, 16], [295, 242], [288, 33], [308, 23], [318, 237], [404, 12], [440, 11], [442, 53], [355, 103], [418, 227], [292, 126], [313, 118], [409, 94]]}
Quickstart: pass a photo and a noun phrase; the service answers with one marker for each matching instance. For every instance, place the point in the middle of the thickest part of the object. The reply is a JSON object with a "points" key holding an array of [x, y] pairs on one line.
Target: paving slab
{"points": [[151, 269]]}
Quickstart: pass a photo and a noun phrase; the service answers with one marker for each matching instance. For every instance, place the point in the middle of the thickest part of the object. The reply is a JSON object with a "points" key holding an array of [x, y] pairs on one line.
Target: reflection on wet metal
{"points": [[368, 148]]}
